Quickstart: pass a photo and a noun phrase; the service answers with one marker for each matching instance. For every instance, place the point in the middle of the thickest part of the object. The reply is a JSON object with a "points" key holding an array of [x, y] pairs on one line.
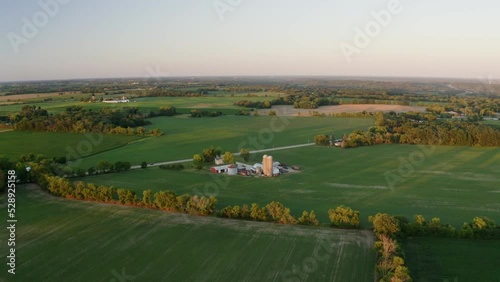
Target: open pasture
{"points": [[16, 143], [144, 103], [445, 259], [453, 183], [63, 240], [347, 108], [183, 137]]}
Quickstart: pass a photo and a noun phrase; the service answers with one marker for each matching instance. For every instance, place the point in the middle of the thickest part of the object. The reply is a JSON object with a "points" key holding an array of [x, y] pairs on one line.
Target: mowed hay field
{"points": [[64, 240], [453, 183], [184, 136], [445, 259], [16, 143]]}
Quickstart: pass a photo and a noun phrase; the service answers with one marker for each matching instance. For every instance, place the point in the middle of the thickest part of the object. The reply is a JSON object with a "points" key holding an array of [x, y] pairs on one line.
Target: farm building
{"points": [[116, 101], [272, 168], [219, 169], [232, 170], [218, 161]]}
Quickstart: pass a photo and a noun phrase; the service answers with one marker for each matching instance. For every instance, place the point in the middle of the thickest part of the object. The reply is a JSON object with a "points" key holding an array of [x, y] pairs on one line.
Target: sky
{"points": [[70, 39]]}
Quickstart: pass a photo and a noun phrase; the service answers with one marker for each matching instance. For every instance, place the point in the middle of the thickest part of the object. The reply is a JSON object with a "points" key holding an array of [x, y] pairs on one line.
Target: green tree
{"points": [[322, 139], [257, 213], [208, 154], [245, 154], [218, 151], [126, 196], [147, 198], [344, 217], [144, 164], [198, 161], [308, 218], [279, 213], [401, 274], [384, 224], [228, 158], [103, 166], [167, 111], [91, 170]]}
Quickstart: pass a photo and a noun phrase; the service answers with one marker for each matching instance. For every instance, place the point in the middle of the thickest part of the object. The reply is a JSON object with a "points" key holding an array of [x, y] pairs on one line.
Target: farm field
{"points": [[185, 137], [145, 104], [16, 143], [445, 259], [348, 108], [453, 183], [63, 240]]}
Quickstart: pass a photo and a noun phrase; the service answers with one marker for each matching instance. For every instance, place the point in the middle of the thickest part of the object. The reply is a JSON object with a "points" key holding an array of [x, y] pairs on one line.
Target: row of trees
{"points": [[164, 200], [77, 119], [480, 227], [272, 212], [423, 129], [185, 203], [340, 217], [208, 155], [203, 113], [390, 258]]}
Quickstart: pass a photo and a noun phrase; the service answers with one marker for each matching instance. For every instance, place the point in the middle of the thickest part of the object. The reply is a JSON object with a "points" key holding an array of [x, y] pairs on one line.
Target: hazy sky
{"points": [[117, 38]]}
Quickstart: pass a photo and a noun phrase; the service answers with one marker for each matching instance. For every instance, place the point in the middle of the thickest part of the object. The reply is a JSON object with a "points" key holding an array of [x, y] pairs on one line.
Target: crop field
{"points": [[62, 240], [348, 108], [16, 143], [145, 104], [453, 183], [445, 259], [185, 136]]}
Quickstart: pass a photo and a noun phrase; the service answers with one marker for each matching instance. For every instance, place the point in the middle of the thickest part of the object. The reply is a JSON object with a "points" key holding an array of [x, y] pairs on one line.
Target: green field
{"points": [[16, 143], [445, 259], [146, 104], [453, 183], [185, 136], [62, 240]]}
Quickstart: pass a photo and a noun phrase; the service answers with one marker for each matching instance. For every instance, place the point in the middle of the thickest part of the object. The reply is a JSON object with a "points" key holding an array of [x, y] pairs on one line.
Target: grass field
{"points": [[185, 137], [444, 259], [62, 240], [453, 183], [145, 104], [15, 143]]}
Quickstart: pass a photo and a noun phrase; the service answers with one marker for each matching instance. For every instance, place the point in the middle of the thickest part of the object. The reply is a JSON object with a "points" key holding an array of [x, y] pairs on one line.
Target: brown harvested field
{"points": [[35, 95], [288, 110]]}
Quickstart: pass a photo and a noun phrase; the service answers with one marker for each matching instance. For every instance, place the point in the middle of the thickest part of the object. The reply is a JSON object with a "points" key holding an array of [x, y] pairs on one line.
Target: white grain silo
{"points": [[232, 170]]}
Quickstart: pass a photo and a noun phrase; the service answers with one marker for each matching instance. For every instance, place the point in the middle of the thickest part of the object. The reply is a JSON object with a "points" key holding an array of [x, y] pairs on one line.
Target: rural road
{"points": [[236, 154]]}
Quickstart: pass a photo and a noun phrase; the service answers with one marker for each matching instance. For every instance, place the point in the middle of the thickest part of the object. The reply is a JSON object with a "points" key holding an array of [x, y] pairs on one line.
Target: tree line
{"points": [[340, 217], [422, 129], [387, 228], [163, 200], [77, 119]]}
